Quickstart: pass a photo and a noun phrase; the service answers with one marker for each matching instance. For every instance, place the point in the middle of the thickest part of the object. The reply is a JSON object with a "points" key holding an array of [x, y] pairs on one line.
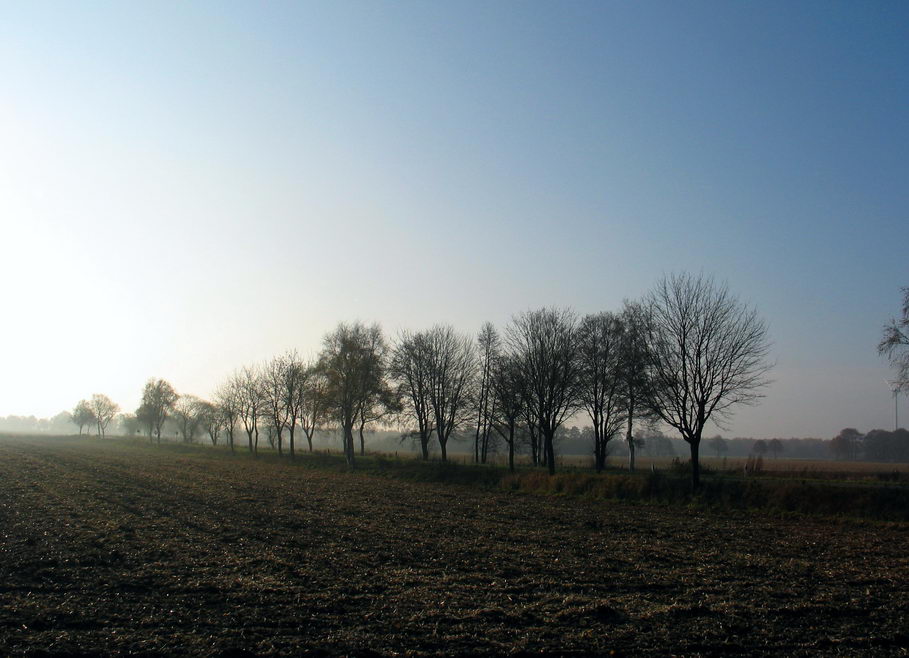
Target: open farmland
{"points": [[127, 548]]}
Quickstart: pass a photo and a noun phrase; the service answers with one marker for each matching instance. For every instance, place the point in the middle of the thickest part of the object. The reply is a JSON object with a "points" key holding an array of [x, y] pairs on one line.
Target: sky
{"points": [[186, 188]]}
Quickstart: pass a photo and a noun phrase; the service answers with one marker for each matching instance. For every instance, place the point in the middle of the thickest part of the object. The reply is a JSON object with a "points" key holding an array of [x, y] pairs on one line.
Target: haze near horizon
{"points": [[188, 188]]}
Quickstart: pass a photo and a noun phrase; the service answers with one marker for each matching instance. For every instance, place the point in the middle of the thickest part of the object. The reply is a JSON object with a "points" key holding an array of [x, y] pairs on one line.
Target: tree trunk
{"points": [[280, 442], [362, 442], [511, 453], [695, 464], [291, 430], [550, 453], [349, 445], [628, 437], [424, 447], [444, 447]]}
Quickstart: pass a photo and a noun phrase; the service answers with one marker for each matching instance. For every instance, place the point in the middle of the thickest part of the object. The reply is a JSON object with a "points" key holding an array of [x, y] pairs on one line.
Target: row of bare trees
{"points": [[682, 356]]}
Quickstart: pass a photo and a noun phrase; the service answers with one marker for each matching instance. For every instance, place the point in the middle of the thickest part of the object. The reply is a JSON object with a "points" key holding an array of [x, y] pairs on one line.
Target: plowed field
{"points": [[128, 549]]}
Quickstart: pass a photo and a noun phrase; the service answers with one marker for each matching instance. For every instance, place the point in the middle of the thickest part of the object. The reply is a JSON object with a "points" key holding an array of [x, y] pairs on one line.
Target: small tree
{"points": [[227, 403], [158, 400], [83, 415], [189, 413], [759, 448], [103, 409], [776, 447]]}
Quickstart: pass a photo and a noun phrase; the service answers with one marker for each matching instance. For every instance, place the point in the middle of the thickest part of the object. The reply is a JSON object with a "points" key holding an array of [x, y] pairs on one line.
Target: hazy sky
{"points": [[189, 187]]}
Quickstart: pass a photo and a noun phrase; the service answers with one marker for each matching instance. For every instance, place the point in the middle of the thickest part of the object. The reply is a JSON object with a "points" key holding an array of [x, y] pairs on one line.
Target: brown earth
{"points": [[136, 550]]}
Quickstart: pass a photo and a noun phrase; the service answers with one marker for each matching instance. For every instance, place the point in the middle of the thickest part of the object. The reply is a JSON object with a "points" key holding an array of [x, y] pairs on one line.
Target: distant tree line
{"points": [[684, 355]]}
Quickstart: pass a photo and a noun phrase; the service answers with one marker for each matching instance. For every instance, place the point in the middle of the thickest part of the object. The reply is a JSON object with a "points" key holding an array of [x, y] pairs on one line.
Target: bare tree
{"points": [[634, 360], [83, 415], [314, 404], [384, 402], [452, 365], [353, 361], [895, 344], [251, 404], [103, 409], [600, 380], [544, 343], [410, 364], [158, 400], [189, 414], [228, 403], [507, 391], [489, 344], [276, 377], [707, 353], [212, 420]]}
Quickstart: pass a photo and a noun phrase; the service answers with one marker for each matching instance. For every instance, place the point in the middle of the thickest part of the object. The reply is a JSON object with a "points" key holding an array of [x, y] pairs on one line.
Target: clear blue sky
{"points": [[188, 187]]}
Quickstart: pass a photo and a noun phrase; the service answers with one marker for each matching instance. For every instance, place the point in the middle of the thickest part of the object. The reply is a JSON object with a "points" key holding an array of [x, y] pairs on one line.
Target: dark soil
{"points": [[137, 550]]}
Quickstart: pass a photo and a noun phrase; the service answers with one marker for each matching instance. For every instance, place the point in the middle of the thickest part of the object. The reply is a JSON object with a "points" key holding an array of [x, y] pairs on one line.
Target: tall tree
{"points": [[489, 345], [600, 379], [410, 364], [158, 400], [353, 360], [707, 353], [544, 343], [452, 366], [83, 415], [895, 344]]}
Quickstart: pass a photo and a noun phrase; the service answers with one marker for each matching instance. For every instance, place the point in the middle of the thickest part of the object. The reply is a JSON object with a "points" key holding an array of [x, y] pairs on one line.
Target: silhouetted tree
{"points": [[452, 365], [895, 343], [410, 363], [353, 362], [228, 404], [277, 380], [759, 448], [158, 400], [314, 406], [251, 403], [600, 379], [506, 389], [488, 344], [846, 444], [83, 415], [544, 345], [775, 446], [634, 361], [707, 352]]}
